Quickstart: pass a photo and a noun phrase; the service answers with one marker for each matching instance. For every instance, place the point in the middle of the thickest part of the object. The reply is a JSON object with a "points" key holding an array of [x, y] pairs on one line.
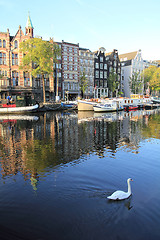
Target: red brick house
{"points": [[16, 82]]}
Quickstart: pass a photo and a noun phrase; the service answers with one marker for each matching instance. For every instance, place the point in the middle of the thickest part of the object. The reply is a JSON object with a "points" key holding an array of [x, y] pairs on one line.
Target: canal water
{"points": [[57, 169]]}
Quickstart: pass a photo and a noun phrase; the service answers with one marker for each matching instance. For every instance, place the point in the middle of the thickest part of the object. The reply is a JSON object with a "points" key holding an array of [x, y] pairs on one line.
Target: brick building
{"points": [[70, 70], [86, 64], [14, 81]]}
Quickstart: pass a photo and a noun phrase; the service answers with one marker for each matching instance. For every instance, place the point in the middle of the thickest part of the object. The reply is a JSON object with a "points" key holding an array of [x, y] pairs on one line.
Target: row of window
{"points": [[86, 61], [3, 59], [101, 74], [70, 86], [101, 83], [101, 66], [86, 54], [70, 49], [70, 76], [70, 59], [3, 43], [70, 67]]}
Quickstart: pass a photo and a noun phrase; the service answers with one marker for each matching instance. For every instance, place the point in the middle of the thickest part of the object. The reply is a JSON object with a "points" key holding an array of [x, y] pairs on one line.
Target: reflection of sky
{"points": [[58, 180]]}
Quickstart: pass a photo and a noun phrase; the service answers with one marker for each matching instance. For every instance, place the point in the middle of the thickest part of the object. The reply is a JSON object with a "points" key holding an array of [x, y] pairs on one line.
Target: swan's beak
{"points": [[132, 180]]}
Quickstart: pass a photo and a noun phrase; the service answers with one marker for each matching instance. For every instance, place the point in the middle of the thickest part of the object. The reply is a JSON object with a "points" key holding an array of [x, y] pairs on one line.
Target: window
{"points": [[75, 59], [65, 75], [75, 68], [101, 65], [105, 83], [4, 44], [65, 58], [101, 74], [97, 74], [101, 59], [97, 65], [75, 76], [15, 78], [59, 74], [65, 67], [65, 48], [105, 75], [26, 79], [75, 50], [70, 49], [70, 58], [15, 44], [14, 59], [70, 67], [2, 58], [0, 43], [70, 76], [105, 66]]}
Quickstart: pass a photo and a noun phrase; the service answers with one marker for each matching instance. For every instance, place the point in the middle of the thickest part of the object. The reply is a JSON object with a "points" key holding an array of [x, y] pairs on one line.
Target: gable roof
{"points": [[127, 56]]}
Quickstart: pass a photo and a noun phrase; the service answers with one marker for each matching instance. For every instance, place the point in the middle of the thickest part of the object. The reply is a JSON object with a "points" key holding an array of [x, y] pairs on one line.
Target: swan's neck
{"points": [[129, 187]]}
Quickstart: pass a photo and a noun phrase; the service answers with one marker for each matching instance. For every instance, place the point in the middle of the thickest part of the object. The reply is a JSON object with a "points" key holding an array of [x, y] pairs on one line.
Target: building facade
{"points": [[70, 70], [86, 65], [130, 63], [104, 65], [15, 81]]}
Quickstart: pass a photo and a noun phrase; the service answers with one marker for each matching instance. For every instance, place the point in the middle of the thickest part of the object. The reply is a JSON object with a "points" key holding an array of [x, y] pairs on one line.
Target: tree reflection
{"points": [[34, 148]]}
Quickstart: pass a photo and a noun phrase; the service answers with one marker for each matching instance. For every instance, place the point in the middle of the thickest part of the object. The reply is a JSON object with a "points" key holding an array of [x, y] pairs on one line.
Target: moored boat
{"points": [[84, 105], [107, 107], [11, 108], [130, 107]]}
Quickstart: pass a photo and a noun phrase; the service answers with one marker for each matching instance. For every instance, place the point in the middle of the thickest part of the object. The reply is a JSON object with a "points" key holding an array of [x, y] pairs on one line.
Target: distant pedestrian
{"points": [[8, 99]]}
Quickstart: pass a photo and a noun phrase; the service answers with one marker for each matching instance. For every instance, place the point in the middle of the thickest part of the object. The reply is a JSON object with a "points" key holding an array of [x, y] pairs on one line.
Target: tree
{"points": [[152, 78], [38, 58], [135, 83], [83, 83], [112, 82]]}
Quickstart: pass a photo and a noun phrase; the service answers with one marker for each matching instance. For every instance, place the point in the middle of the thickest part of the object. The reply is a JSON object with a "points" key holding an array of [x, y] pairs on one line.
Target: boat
{"points": [[131, 107], [86, 105], [107, 107], [155, 99], [69, 105], [12, 108]]}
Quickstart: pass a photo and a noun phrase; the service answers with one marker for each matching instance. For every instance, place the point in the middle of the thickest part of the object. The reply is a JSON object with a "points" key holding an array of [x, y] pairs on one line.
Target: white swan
{"points": [[120, 195]]}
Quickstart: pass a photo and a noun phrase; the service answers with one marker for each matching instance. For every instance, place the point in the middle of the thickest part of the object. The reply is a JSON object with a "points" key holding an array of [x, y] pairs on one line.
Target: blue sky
{"points": [[120, 24]]}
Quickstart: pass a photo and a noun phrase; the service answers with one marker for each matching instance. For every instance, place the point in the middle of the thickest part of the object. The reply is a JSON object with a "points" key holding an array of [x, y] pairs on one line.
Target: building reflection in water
{"points": [[33, 146]]}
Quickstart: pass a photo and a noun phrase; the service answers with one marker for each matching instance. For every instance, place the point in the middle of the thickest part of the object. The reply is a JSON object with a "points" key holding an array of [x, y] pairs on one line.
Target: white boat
{"points": [[107, 107], [85, 105], [4, 110], [155, 99]]}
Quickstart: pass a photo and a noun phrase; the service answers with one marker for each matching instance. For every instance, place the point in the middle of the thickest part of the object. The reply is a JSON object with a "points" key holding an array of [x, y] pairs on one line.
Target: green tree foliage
{"points": [[136, 83], [38, 58], [83, 83], [152, 78], [112, 83]]}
